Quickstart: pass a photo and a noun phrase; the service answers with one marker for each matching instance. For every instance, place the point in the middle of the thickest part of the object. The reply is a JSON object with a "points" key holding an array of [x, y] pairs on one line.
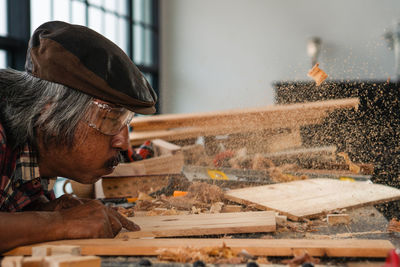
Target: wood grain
{"points": [[203, 224], [313, 197], [257, 247]]}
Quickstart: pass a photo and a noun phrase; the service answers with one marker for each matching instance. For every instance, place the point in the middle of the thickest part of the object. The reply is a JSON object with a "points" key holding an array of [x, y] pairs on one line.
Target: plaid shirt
{"points": [[20, 181]]}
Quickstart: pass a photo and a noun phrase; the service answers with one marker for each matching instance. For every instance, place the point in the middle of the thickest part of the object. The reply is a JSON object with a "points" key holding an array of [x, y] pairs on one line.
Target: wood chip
{"points": [[317, 74]]}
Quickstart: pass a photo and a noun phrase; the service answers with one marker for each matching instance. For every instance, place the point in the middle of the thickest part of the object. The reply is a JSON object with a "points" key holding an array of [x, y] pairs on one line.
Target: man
{"points": [[66, 116]]}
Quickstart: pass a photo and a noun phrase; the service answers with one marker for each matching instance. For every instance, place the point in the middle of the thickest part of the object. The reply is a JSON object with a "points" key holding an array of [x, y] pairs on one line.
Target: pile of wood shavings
{"points": [[214, 255], [200, 195], [205, 193]]}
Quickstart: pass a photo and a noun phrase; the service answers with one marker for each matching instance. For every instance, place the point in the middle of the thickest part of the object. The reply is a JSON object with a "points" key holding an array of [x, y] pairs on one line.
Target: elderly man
{"points": [[67, 116]]}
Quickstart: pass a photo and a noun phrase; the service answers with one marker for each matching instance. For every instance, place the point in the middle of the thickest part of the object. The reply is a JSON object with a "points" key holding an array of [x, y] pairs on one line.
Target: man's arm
{"points": [[88, 220]]}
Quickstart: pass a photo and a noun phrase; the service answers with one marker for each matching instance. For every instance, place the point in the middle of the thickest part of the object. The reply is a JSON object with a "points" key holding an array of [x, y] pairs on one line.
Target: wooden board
{"points": [[183, 126], [203, 224], [257, 247], [313, 197]]}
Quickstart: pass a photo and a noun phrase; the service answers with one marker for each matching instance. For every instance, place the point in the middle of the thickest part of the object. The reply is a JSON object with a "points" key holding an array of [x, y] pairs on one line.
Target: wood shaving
{"points": [[126, 212], [354, 168], [216, 207], [146, 205], [394, 225], [300, 259], [144, 196]]}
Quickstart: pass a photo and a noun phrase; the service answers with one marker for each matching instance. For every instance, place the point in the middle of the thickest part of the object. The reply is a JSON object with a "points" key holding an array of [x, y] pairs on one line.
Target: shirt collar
{"points": [[27, 168]]}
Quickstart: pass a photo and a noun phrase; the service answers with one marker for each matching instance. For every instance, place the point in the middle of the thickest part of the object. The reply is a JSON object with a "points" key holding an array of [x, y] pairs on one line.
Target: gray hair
{"points": [[29, 103]]}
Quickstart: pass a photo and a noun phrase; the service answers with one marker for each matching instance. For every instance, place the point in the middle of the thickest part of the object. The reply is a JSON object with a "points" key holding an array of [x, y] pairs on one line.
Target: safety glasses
{"points": [[106, 119]]}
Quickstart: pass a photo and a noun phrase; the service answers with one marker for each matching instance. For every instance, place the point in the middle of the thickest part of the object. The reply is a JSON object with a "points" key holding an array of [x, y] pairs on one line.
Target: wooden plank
{"points": [[313, 197], [203, 224], [166, 164], [257, 247], [183, 126], [71, 260], [42, 251], [256, 115]]}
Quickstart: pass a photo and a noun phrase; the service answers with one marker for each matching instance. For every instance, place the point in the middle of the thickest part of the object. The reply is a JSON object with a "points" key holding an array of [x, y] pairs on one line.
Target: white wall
{"points": [[224, 54]]}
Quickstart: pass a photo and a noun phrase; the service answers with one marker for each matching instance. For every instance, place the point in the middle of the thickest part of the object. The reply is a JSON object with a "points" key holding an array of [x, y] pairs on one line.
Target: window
{"points": [[131, 24], [3, 33], [3, 59], [3, 18]]}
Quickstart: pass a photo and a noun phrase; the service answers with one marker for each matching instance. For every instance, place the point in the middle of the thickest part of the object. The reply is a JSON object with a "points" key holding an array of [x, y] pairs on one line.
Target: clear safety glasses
{"points": [[106, 119]]}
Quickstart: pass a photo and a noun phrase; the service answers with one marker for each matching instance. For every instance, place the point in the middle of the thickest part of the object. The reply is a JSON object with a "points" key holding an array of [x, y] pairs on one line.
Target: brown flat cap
{"points": [[83, 59]]}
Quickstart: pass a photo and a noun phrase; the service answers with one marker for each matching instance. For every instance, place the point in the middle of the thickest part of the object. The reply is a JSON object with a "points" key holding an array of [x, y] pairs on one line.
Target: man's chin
{"points": [[109, 170]]}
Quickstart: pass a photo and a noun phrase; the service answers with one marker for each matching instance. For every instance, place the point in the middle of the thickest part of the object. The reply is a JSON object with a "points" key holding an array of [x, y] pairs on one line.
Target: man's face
{"points": [[93, 154]]}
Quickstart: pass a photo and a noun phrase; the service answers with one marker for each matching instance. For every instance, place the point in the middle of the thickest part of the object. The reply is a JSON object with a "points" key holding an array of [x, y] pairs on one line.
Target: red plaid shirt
{"points": [[20, 181]]}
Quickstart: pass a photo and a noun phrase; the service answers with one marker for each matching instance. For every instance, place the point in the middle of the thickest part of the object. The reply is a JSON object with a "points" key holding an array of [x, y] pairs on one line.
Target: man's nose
{"points": [[121, 140]]}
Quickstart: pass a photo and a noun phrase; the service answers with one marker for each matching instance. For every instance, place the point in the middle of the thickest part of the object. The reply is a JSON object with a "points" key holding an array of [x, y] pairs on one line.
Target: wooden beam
{"points": [[365, 248], [183, 126]]}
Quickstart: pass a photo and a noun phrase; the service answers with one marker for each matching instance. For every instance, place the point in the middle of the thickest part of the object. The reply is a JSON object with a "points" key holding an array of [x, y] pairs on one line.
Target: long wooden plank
{"points": [[257, 247], [203, 224], [313, 197], [255, 115], [183, 126]]}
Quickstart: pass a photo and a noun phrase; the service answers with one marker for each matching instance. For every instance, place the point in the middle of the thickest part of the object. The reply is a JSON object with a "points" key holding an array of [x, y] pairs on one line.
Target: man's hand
{"points": [[64, 202], [108, 216], [92, 219]]}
